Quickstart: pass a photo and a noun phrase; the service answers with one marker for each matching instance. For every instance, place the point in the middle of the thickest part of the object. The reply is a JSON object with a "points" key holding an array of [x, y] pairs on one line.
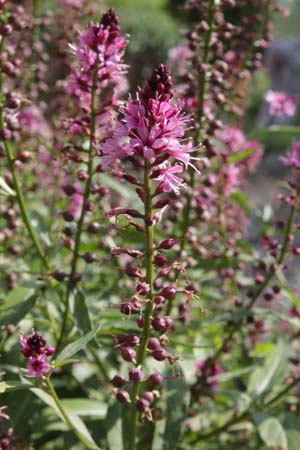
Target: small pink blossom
{"points": [[292, 159], [281, 103], [38, 366], [169, 181], [232, 136]]}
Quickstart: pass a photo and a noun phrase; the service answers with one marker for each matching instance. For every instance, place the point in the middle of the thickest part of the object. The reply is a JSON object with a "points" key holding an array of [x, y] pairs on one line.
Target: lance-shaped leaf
{"points": [[77, 345]]}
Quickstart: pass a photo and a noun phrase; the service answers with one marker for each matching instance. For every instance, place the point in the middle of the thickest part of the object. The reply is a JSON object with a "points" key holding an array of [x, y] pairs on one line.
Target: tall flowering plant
{"points": [[136, 312], [150, 137]]}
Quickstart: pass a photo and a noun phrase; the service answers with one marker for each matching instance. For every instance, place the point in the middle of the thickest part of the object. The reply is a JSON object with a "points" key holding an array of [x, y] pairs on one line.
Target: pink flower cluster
{"points": [[153, 129], [236, 142], [281, 103], [292, 159], [101, 49], [32, 122], [34, 349]]}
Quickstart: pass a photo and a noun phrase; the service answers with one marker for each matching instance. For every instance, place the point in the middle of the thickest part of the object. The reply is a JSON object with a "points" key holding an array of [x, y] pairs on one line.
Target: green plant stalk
{"points": [[16, 184], [86, 196], [65, 416], [201, 97], [279, 260], [149, 253]]}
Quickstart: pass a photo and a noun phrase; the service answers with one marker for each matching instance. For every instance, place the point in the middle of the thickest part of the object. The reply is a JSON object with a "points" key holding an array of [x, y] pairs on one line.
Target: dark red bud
{"points": [[155, 380], [136, 375], [153, 344], [123, 397], [160, 355], [118, 381], [94, 228], [168, 292], [128, 354], [167, 244]]}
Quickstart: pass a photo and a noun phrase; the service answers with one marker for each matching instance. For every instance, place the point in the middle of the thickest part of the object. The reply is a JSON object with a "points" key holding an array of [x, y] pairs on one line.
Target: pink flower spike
{"points": [[38, 366]]}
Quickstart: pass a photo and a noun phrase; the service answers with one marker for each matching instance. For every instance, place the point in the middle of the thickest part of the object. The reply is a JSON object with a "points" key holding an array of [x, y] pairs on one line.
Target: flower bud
{"points": [[136, 375], [58, 274], [94, 227], [68, 216], [168, 292], [149, 396], [50, 351], [160, 354], [123, 397], [128, 354], [160, 260], [153, 343], [167, 244], [155, 379], [142, 405], [162, 323], [118, 381]]}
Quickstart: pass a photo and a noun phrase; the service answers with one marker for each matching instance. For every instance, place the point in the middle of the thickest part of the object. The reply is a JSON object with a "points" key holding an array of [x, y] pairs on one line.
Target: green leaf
{"points": [[5, 189], [273, 368], [81, 313], [291, 425], [242, 200], [77, 345], [16, 305], [9, 386], [277, 137], [76, 421], [113, 425], [239, 156], [85, 407], [38, 222], [271, 431], [65, 362], [177, 401]]}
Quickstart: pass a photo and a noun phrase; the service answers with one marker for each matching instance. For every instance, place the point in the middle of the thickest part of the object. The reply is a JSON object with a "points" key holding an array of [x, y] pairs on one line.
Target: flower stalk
{"points": [[149, 254], [201, 98], [86, 196], [16, 183], [65, 416]]}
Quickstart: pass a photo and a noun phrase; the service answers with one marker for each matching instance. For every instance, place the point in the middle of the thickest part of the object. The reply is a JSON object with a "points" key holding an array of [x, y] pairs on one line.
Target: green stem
{"points": [[86, 196], [16, 183], [201, 97], [65, 416], [279, 261], [149, 252]]}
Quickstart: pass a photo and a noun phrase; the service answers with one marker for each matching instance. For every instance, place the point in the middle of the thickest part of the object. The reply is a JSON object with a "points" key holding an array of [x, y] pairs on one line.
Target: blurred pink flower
{"points": [[281, 103], [32, 122], [208, 370], [292, 159], [231, 176]]}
